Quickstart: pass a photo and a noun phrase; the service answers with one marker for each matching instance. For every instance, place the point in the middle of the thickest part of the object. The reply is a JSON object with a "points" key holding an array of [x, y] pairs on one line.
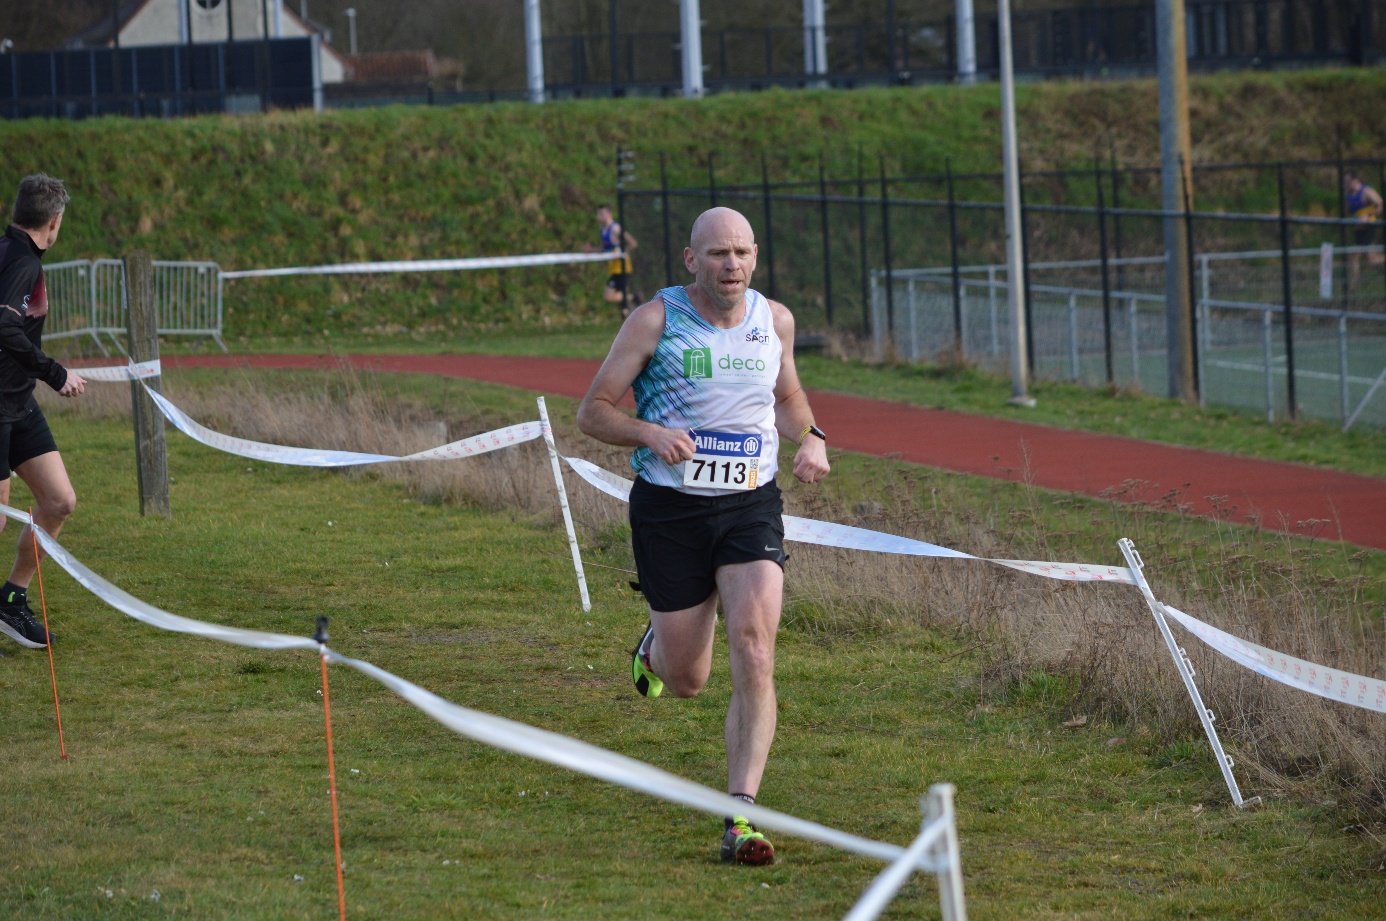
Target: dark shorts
{"points": [[617, 282], [24, 439], [681, 540], [1364, 236]]}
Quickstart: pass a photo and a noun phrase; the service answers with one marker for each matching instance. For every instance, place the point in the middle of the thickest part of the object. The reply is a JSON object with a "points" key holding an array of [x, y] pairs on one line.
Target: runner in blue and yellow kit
{"points": [[712, 366], [615, 238], [1364, 205]]}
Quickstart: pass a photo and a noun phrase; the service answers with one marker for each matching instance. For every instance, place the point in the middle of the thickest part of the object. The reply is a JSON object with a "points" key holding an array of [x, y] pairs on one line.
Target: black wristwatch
{"points": [[812, 430]]}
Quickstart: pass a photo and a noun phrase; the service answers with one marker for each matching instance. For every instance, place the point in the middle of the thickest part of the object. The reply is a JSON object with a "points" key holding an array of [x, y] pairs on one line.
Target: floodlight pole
{"points": [[815, 42], [966, 41], [534, 51], [1176, 176], [1015, 256], [691, 35]]}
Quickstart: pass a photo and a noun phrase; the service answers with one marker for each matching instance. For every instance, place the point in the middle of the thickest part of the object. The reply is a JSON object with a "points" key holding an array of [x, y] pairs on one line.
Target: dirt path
{"points": [[1274, 495]]}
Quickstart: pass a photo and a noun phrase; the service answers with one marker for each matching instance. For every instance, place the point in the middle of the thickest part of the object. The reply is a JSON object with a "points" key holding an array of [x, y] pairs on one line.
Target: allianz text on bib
{"points": [[723, 460]]}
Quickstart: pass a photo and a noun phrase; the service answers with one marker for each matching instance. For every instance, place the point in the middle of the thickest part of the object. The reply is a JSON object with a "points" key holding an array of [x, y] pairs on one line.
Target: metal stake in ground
{"points": [[320, 637], [1181, 662], [563, 504], [142, 324]]}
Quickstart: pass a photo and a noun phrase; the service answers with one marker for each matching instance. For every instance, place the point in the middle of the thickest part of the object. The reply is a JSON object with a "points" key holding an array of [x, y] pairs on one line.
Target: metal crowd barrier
{"points": [[87, 299]]}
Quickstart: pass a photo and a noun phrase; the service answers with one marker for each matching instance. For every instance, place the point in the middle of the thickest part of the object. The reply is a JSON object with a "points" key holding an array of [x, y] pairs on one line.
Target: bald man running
{"points": [[712, 366]]}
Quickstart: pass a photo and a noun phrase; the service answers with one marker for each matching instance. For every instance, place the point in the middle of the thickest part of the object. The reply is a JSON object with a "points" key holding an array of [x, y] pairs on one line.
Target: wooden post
{"points": [[151, 450]]}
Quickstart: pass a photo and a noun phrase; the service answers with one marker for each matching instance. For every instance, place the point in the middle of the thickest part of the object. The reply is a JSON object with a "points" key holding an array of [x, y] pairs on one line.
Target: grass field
{"points": [[198, 770]]}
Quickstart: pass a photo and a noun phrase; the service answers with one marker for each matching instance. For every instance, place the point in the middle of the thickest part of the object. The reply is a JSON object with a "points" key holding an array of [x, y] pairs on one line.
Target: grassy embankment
{"points": [[412, 182], [297, 188], [198, 769]]}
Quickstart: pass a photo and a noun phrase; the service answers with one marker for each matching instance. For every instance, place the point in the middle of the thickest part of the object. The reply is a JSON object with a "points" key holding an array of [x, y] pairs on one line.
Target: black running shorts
{"points": [[24, 439], [680, 539], [617, 282]]}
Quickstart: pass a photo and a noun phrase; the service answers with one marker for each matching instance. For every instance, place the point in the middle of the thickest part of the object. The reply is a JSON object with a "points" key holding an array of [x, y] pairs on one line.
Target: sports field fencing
{"points": [[1094, 270], [1077, 329]]}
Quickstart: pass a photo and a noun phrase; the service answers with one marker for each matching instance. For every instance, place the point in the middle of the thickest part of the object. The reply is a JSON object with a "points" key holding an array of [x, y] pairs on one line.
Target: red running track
{"points": [[1275, 495]]}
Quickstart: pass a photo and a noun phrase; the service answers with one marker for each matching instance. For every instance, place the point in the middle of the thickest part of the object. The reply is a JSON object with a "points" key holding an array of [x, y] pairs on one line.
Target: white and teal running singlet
{"points": [[718, 385]]}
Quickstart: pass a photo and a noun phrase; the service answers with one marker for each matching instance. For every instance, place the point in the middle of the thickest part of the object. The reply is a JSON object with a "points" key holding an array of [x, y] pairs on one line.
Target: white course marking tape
{"points": [[828, 534], [303, 457], [431, 265], [1344, 687], [114, 374], [310, 457], [496, 731]]}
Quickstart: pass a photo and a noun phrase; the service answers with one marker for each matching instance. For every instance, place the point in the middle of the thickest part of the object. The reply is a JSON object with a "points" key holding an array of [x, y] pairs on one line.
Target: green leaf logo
{"points": [[697, 362]]}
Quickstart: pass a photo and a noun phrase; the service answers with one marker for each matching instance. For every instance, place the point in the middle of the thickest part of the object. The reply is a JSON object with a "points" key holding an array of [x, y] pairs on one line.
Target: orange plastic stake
{"points": [[43, 606], [321, 637]]}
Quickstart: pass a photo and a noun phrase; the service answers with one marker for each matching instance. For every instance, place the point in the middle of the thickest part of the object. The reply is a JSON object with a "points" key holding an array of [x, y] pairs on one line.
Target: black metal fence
{"points": [[159, 80], [916, 264], [1091, 40]]}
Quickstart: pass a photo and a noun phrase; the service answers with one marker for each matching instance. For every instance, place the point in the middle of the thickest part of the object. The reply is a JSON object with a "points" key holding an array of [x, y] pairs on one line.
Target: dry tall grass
{"points": [[1099, 638]]}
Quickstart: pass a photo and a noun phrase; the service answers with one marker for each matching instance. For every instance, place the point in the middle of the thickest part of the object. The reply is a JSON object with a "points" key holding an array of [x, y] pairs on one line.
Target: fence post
{"points": [[151, 451], [827, 246], [953, 257], [991, 306], [769, 223], [885, 245], [1073, 370], [1342, 209], [1116, 219], [621, 154], [866, 298], [1134, 322], [1025, 273], [1285, 290], [1343, 365], [1381, 184], [1106, 283], [1184, 175], [1266, 363], [664, 209]]}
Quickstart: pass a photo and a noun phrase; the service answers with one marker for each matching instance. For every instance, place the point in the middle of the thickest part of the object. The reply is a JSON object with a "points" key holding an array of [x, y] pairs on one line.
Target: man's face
{"points": [[55, 225], [722, 259], [1352, 184], [604, 216]]}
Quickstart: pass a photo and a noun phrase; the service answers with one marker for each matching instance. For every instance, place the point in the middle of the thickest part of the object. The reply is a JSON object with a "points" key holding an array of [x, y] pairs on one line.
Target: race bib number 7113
{"points": [[723, 461]]}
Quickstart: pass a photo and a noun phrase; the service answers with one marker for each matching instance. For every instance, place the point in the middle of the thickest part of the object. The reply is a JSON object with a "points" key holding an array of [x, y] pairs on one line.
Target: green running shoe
{"points": [[646, 681], [743, 844]]}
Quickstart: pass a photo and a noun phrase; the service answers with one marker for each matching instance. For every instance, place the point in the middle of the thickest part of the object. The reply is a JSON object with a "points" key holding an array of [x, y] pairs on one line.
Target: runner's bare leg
{"points": [[752, 594], [681, 654], [54, 501]]}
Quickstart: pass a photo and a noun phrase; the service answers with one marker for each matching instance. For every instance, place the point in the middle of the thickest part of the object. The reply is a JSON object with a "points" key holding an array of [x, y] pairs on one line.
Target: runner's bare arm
{"points": [[602, 419], [792, 411]]}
